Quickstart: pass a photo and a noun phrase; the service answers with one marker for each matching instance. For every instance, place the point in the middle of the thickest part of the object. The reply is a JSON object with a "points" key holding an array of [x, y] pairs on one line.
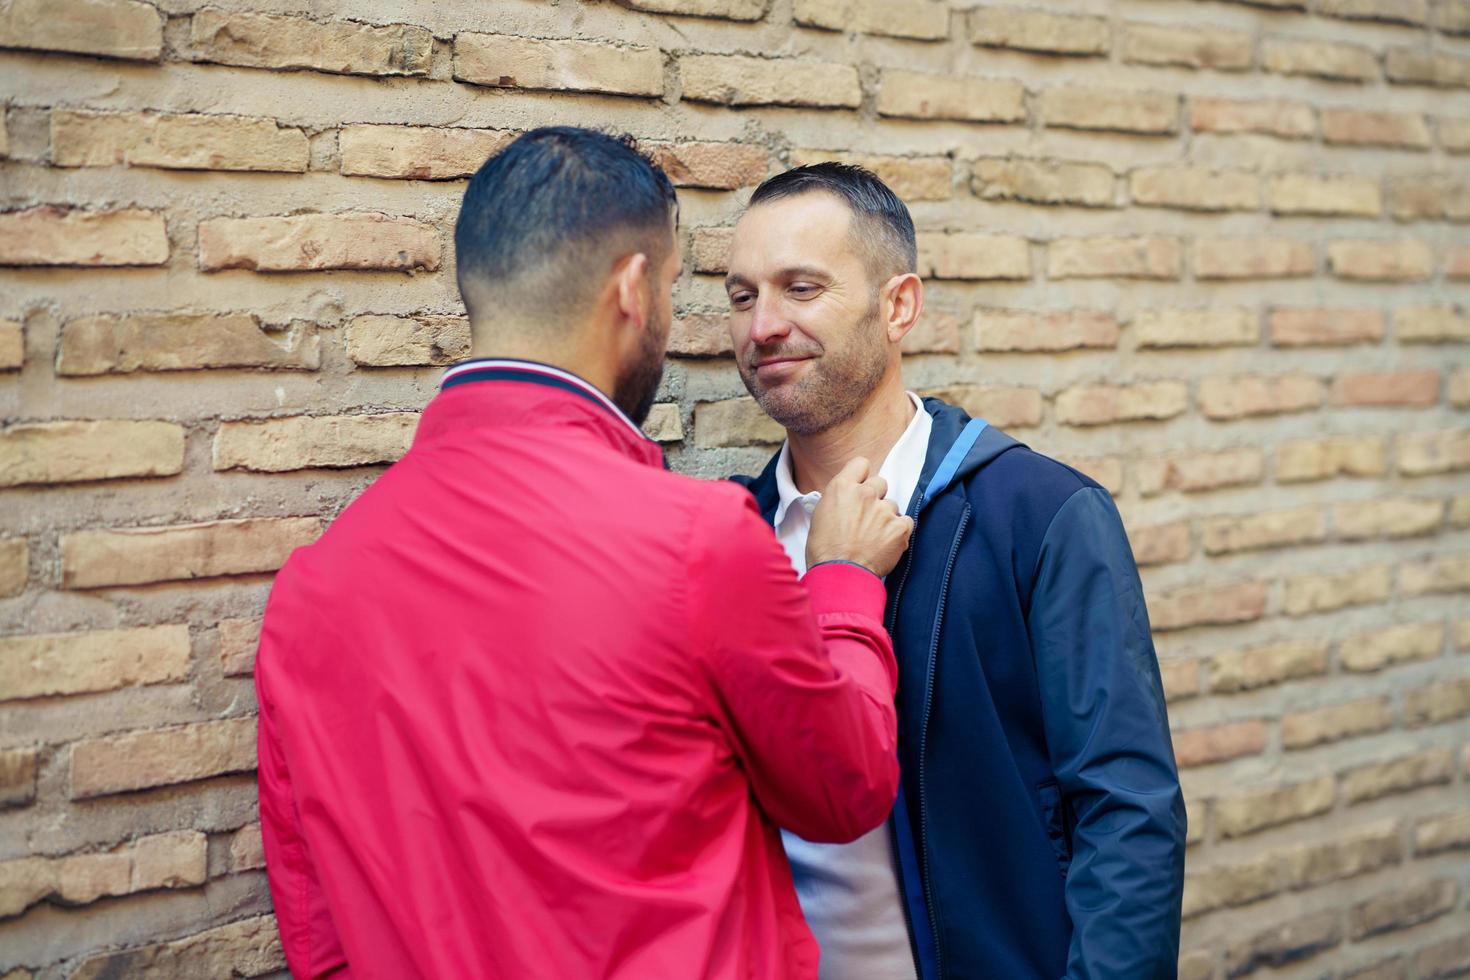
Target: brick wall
{"points": [[1211, 252]]}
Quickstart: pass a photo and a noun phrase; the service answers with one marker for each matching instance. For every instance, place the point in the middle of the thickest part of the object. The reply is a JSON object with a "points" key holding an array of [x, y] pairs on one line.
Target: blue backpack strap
{"points": [[952, 460]]}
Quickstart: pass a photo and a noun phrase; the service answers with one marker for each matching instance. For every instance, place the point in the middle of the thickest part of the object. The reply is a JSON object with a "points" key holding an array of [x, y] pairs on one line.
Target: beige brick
{"points": [[1399, 11], [1404, 643], [506, 61], [1438, 703], [257, 40], [1242, 602], [162, 757], [71, 452], [700, 335], [1458, 388], [664, 424], [1429, 197], [1366, 849], [140, 555], [1196, 328], [54, 235], [1443, 574], [82, 138], [1273, 529], [925, 20], [1275, 663], [734, 422], [1238, 816], [418, 152], [728, 9], [386, 341], [1272, 117], [15, 566], [1459, 518], [1354, 127], [238, 640], [1180, 679], [1039, 31], [17, 776], [1284, 942], [1017, 330], [936, 332], [1432, 453], [1452, 16], [1407, 388], [1253, 258], [1454, 134], [1107, 471], [1001, 406], [1376, 261], [721, 166], [1114, 257], [911, 178], [1226, 886], [1319, 59], [1336, 590], [919, 95], [1192, 46], [1196, 472], [306, 441], [1339, 721], [1326, 196], [246, 850], [709, 249], [1393, 517], [1103, 404], [1446, 958], [1160, 544], [1325, 327], [1442, 833], [109, 344], [1151, 112], [1400, 775], [1431, 325], [1415, 66], [973, 255], [47, 664], [1249, 395], [110, 28], [1402, 908], [1312, 459], [1195, 189], [1208, 746], [247, 948], [740, 80], [1042, 181], [1457, 262], [308, 242], [172, 860], [12, 345], [1198, 964]]}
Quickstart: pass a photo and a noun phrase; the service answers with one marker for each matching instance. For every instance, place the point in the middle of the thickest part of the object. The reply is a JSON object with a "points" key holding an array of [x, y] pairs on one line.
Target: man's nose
{"points": [[768, 324]]}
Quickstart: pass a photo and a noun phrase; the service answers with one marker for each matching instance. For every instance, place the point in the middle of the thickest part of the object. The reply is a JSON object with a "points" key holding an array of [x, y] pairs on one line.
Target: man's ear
{"points": [[634, 293], [902, 300]]}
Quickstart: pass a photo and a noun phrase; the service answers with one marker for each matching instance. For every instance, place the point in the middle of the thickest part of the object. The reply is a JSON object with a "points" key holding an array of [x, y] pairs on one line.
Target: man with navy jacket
{"points": [[1039, 831]]}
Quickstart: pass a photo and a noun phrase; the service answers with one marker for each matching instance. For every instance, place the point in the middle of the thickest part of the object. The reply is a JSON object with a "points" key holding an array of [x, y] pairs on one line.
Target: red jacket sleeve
{"points": [[806, 682], [308, 935]]}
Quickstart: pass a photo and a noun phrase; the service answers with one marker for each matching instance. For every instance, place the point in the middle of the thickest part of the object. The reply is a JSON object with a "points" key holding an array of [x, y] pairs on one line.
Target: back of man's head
{"points": [[544, 220], [882, 227]]}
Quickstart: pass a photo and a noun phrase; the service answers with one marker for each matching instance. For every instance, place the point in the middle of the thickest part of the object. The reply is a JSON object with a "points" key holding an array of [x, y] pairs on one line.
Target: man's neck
{"points": [[871, 432]]}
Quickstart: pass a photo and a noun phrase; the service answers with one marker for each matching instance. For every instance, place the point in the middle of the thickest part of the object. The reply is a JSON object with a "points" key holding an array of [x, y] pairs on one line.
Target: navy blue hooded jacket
{"points": [[1040, 828]]}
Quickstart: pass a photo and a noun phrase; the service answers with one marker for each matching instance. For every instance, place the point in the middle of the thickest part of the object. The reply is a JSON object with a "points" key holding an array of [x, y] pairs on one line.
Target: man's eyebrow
{"points": [[789, 273], [735, 279]]}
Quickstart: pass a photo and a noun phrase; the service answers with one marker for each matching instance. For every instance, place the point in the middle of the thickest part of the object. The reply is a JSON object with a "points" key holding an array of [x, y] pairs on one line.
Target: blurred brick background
{"points": [[1213, 253]]}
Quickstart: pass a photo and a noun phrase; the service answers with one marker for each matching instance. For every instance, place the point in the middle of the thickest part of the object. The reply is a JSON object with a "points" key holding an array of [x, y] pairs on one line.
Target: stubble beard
{"points": [[635, 390]]}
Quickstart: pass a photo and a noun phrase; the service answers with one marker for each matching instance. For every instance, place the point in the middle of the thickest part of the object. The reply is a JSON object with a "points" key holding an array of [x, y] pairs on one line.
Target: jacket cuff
{"points": [[843, 587]]}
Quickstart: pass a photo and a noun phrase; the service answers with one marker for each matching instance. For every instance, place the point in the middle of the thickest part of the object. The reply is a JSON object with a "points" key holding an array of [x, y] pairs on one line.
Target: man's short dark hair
{"points": [[881, 220], [542, 218]]}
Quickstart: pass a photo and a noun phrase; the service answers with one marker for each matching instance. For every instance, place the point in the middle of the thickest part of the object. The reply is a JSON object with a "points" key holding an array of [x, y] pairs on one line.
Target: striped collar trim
{"points": [[534, 372]]}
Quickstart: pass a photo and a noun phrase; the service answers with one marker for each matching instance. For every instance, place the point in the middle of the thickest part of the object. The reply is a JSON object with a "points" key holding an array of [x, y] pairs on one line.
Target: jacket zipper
{"points": [[889, 620], [924, 732]]}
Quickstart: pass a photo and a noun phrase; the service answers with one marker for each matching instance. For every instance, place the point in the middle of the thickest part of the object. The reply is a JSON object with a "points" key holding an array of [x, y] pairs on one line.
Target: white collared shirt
{"points": [[849, 892]]}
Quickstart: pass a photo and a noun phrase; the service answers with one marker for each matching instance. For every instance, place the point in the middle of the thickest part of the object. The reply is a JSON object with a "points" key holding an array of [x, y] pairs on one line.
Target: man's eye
{"points": [[739, 299], [803, 289]]}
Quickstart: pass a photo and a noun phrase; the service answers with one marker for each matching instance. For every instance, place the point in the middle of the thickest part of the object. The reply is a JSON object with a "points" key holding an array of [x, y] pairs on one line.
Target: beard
{"points": [[637, 386], [835, 385]]}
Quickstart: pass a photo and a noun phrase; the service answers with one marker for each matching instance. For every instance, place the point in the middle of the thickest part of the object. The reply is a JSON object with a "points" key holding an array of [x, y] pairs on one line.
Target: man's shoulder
{"points": [[1028, 474]]}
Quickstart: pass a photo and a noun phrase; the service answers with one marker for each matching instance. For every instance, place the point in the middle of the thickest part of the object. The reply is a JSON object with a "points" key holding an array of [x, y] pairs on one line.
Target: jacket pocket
{"points": [[1049, 795]]}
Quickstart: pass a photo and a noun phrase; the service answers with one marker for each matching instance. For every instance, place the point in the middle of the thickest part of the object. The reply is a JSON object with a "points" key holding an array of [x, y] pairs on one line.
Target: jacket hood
{"points": [[958, 447]]}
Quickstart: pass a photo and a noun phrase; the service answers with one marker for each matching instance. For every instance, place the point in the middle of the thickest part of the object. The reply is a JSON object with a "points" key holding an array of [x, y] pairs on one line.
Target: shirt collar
{"points": [[900, 468], [534, 372]]}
